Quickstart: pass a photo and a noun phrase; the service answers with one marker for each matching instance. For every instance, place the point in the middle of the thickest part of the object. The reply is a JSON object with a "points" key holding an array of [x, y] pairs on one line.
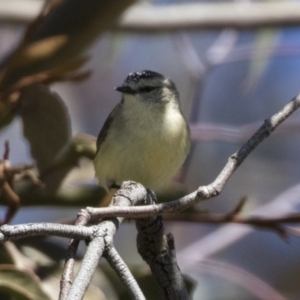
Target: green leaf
{"points": [[80, 146], [66, 37], [17, 257], [46, 126], [21, 284], [5, 256]]}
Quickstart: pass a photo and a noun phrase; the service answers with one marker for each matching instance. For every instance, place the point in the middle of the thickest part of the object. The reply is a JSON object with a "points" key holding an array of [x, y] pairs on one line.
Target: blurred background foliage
{"points": [[56, 89]]}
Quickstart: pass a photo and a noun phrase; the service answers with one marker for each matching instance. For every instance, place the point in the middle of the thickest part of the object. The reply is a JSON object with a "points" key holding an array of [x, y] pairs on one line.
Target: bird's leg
{"points": [[151, 199]]}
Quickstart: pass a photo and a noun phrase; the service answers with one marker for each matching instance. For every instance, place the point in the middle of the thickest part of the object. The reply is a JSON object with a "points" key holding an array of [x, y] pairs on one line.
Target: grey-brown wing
{"points": [[103, 132]]}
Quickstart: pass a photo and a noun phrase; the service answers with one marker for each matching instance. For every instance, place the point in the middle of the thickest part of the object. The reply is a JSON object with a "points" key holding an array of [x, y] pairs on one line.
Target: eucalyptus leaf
{"points": [[80, 146], [68, 29], [46, 126], [5, 256], [21, 284]]}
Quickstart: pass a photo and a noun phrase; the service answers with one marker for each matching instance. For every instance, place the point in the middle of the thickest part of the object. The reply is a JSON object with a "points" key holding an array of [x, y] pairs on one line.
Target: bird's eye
{"points": [[147, 89]]}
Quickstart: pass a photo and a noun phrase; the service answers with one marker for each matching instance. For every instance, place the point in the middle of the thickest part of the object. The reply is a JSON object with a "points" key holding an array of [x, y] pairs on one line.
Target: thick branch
{"points": [[211, 190], [158, 250], [129, 194], [11, 13], [142, 18], [145, 18]]}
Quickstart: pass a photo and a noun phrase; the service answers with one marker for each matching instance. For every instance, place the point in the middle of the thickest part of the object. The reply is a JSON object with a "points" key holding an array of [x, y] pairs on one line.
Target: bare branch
{"points": [[275, 224], [13, 232], [213, 189], [284, 204], [67, 276], [11, 13], [149, 19], [158, 250], [91, 259], [121, 269], [129, 194]]}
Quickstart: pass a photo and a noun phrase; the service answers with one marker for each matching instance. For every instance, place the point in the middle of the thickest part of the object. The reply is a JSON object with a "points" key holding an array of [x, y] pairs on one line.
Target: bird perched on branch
{"points": [[145, 138]]}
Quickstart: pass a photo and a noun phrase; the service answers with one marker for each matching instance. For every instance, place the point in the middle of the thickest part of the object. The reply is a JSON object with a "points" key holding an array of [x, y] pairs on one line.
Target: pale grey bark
{"points": [[13, 232], [196, 16], [151, 235], [91, 258], [101, 243], [213, 189], [123, 272]]}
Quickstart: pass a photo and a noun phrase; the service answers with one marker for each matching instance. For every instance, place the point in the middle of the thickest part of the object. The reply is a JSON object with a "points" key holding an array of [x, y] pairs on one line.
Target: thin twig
{"points": [[67, 276], [268, 223], [123, 272], [13, 232], [224, 236]]}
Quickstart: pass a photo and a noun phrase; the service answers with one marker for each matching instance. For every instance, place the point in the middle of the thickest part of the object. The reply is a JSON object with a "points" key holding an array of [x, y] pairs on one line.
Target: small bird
{"points": [[146, 137]]}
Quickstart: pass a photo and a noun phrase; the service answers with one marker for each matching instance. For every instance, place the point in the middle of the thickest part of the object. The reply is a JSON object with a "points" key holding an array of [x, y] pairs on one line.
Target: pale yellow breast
{"points": [[146, 145]]}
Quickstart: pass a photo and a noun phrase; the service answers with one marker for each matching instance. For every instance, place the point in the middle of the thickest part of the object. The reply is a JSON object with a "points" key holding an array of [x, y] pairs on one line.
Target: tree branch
{"points": [[158, 250], [156, 19], [211, 190], [152, 19], [129, 194], [91, 259], [269, 223], [13, 232], [67, 276], [133, 193], [121, 269]]}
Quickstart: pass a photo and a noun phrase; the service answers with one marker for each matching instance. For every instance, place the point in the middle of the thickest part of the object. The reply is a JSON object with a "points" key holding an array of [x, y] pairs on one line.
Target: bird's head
{"points": [[149, 86]]}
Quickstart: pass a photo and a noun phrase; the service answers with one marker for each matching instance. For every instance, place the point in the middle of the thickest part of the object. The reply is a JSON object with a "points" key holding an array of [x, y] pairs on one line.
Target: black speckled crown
{"points": [[146, 74]]}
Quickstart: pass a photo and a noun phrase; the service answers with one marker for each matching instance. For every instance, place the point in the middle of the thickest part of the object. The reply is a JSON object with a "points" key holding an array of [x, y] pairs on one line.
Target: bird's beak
{"points": [[125, 90]]}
